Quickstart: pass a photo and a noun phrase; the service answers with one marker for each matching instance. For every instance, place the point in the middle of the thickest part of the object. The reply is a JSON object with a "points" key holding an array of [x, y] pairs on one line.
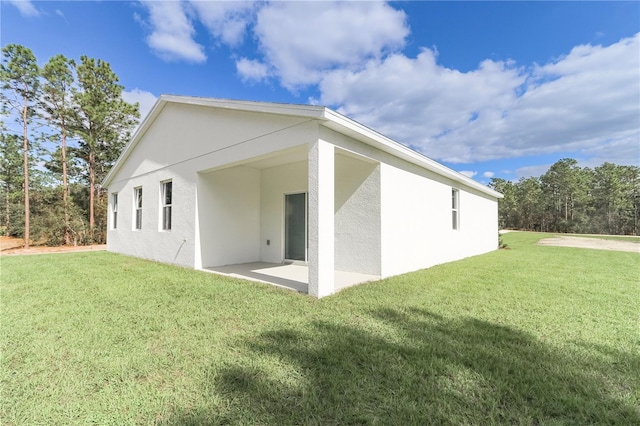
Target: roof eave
{"points": [[373, 138], [326, 116]]}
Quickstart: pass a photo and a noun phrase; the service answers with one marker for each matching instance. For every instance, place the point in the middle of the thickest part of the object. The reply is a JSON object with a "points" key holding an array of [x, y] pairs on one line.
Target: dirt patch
{"points": [[15, 246], [8, 243], [591, 243]]}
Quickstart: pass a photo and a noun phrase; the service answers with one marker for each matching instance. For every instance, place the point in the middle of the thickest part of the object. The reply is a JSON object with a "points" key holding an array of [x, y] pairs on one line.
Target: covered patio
{"points": [[305, 218], [291, 276]]}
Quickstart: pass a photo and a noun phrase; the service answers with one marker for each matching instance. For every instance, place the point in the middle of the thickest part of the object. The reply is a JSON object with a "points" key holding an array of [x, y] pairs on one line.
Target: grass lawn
{"points": [[529, 335]]}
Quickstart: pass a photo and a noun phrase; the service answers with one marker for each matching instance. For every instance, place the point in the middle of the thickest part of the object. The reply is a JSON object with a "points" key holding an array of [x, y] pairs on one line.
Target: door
{"points": [[295, 226]]}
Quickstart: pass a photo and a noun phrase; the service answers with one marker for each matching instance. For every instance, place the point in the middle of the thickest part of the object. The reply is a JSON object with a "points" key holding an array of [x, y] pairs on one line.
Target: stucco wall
{"points": [[183, 141], [357, 215], [415, 224], [417, 228], [390, 216], [175, 246], [229, 216], [275, 182]]}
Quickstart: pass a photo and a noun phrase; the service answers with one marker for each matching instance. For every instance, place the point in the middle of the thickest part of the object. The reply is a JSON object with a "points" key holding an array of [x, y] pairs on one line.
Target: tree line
{"points": [[63, 126], [569, 198]]}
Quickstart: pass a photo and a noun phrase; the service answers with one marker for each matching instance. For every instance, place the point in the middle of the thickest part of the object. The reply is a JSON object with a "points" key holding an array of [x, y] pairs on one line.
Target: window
{"points": [[137, 202], [455, 209], [167, 190], [114, 211]]}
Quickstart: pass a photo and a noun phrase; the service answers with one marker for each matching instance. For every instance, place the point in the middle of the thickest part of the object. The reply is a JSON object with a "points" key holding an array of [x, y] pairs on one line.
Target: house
{"points": [[205, 183]]}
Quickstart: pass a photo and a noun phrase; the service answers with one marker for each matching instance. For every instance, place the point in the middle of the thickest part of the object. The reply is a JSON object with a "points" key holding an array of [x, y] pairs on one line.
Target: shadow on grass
{"points": [[415, 367]]}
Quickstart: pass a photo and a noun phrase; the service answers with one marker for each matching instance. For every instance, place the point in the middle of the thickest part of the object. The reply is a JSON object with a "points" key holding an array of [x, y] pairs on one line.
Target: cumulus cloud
{"points": [[145, 99], [172, 32], [303, 40], [581, 101], [226, 21], [488, 175], [298, 42], [26, 7], [252, 70]]}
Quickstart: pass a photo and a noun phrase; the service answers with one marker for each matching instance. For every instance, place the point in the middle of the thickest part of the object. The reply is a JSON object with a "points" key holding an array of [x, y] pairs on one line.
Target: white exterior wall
{"points": [[417, 227], [369, 211], [275, 182], [175, 246], [415, 215], [183, 141], [357, 215], [321, 252], [229, 216]]}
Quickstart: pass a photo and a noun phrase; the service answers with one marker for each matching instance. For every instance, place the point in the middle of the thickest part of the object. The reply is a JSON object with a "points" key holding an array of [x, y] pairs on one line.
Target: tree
{"points": [[11, 175], [507, 213], [563, 187], [56, 105], [568, 198], [20, 77], [615, 198], [530, 206], [103, 122]]}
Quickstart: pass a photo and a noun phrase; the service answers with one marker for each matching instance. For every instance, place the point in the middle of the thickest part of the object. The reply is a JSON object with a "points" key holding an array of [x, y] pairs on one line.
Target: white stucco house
{"points": [[205, 183]]}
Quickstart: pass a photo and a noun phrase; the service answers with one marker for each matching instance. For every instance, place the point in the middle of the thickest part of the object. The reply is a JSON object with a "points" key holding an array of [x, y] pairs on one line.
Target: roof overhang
{"points": [[326, 117]]}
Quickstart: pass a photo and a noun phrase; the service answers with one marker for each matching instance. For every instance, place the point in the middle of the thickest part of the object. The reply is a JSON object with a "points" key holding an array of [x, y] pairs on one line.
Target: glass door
{"points": [[295, 226]]}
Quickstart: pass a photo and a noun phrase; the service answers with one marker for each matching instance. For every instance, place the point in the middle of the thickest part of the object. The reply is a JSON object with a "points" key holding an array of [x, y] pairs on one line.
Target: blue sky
{"points": [[491, 89]]}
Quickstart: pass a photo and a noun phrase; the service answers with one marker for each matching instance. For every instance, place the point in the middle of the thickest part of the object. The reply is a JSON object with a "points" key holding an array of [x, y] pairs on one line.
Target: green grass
{"points": [[528, 335]]}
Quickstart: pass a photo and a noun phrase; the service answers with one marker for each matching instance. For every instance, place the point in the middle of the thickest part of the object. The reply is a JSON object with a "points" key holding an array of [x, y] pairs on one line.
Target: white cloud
{"points": [[298, 41], [579, 102], [226, 21], [303, 40], [25, 7], [252, 70], [488, 175], [145, 99], [468, 173], [532, 171], [172, 32]]}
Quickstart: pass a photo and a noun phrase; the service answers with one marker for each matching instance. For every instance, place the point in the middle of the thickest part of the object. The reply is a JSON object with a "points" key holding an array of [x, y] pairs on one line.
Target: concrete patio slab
{"points": [[289, 276]]}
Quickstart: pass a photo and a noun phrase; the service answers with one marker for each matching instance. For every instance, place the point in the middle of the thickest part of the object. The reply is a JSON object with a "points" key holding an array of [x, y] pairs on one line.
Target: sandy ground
{"points": [[13, 246], [591, 243]]}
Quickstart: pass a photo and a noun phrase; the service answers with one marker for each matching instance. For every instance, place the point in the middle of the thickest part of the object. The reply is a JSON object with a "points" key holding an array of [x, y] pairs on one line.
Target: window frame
{"points": [[137, 208], [166, 219], [455, 209], [114, 210]]}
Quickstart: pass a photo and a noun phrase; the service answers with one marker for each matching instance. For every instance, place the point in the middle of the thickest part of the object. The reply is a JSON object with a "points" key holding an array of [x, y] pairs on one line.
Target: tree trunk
{"points": [[25, 149], [65, 186], [7, 213], [92, 188]]}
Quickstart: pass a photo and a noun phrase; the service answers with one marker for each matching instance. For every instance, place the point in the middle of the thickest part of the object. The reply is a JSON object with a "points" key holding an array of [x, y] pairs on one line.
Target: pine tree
{"points": [[20, 75], [11, 176], [56, 105], [103, 122]]}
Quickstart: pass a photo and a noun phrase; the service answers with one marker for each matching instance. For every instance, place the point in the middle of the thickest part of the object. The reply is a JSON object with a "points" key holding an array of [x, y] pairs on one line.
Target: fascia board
{"points": [[309, 111]]}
